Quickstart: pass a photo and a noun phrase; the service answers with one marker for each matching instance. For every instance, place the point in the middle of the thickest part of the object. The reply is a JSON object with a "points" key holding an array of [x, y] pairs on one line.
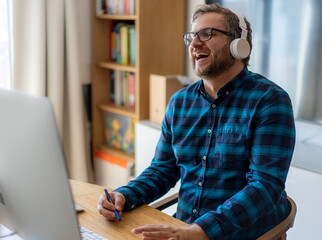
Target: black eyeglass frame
{"points": [[210, 36]]}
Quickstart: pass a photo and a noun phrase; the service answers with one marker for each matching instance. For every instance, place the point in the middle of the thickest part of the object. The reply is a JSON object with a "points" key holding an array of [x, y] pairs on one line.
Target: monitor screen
{"points": [[35, 200]]}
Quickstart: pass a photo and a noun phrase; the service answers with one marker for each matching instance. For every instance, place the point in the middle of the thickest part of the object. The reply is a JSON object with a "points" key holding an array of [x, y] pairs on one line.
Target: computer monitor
{"points": [[35, 196]]}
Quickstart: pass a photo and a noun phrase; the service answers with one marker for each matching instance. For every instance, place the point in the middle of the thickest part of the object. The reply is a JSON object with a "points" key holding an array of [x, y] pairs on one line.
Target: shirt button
{"points": [[209, 130], [194, 211], [132, 206], [200, 184], [213, 105], [204, 158], [227, 93]]}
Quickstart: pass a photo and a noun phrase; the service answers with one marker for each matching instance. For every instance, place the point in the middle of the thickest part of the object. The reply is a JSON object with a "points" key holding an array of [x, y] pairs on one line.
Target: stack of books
{"points": [[123, 44], [122, 88], [115, 7]]}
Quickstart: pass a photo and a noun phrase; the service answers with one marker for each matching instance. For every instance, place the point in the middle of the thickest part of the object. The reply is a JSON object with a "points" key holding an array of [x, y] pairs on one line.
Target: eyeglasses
{"points": [[203, 35]]}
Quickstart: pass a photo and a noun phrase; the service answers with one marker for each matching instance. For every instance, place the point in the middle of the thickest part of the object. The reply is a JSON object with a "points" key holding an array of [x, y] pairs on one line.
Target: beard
{"points": [[221, 61]]}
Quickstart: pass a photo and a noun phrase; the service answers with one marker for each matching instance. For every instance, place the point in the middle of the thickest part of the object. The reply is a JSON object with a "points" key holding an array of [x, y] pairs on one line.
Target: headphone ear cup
{"points": [[239, 48]]}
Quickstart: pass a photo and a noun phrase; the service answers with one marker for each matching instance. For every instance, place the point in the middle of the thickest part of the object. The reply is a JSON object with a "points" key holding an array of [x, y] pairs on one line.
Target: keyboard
{"points": [[90, 235]]}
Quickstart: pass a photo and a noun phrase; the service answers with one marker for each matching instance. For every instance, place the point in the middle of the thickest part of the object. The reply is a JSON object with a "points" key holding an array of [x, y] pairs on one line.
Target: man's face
{"points": [[210, 58]]}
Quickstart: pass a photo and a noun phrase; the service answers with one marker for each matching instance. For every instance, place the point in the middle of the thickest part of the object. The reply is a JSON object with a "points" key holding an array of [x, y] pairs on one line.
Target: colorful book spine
{"points": [[118, 88], [117, 7], [122, 88], [112, 86], [117, 30], [132, 50], [132, 7], [124, 36], [131, 77], [126, 89], [123, 43], [127, 7]]}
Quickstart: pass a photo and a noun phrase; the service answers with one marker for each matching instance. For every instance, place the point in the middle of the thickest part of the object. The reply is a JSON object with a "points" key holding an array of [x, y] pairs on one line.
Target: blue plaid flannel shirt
{"points": [[232, 155]]}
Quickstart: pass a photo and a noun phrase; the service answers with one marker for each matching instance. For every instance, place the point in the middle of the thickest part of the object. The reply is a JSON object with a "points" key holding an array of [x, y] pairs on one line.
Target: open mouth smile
{"points": [[201, 55]]}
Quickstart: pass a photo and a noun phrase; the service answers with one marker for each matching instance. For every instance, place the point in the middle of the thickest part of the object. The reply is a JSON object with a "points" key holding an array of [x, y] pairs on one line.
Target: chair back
{"points": [[279, 232]]}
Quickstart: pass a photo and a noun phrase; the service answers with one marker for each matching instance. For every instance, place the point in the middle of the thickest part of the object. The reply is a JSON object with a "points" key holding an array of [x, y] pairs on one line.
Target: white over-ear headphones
{"points": [[240, 47]]}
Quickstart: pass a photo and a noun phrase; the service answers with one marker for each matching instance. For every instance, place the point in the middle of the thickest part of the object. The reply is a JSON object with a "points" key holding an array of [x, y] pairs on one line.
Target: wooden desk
{"points": [[86, 195]]}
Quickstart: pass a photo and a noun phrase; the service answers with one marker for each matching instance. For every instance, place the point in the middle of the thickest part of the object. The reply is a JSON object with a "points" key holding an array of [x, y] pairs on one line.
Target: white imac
{"points": [[35, 196]]}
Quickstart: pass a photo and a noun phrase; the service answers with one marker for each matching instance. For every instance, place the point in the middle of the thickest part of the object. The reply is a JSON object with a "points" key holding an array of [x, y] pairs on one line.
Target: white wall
{"points": [[304, 187], [304, 182]]}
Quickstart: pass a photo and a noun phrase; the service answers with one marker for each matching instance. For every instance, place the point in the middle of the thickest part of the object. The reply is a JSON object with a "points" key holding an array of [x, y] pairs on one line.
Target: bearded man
{"points": [[229, 138]]}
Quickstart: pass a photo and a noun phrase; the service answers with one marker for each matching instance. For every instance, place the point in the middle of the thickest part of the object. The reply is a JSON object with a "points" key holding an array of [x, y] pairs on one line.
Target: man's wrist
{"points": [[128, 205], [199, 232]]}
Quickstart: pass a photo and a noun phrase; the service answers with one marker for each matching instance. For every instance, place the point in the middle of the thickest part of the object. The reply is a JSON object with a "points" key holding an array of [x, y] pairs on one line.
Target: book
{"points": [[126, 89], [113, 47], [132, 7], [117, 88], [120, 7], [111, 39], [109, 5], [116, 45], [132, 45], [124, 35], [114, 6], [112, 86], [122, 88], [123, 43], [127, 7], [131, 77]]}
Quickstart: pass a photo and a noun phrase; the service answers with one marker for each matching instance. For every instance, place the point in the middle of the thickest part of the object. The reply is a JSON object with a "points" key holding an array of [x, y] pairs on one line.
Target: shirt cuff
{"points": [[211, 227], [129, 197]]}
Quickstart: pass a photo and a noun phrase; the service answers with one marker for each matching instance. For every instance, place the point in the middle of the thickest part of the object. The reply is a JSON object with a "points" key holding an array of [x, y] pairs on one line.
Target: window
{"points": [[5, 45]]}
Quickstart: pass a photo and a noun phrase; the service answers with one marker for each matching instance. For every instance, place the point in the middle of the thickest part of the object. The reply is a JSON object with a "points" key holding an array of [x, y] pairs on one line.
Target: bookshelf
{"points": [[158, 26]]}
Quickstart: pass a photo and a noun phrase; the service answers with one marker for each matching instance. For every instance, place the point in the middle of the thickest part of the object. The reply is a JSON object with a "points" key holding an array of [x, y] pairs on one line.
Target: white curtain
{"points": [[50, 60]]}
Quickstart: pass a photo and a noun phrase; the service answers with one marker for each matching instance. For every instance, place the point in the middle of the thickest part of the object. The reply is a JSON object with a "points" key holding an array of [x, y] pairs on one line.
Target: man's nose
{"points": [[195, 42]]}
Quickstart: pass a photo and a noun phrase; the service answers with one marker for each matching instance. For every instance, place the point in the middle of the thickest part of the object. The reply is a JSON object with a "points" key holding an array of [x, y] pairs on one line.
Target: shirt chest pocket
{"points": [[230, 146], [231, 133]]}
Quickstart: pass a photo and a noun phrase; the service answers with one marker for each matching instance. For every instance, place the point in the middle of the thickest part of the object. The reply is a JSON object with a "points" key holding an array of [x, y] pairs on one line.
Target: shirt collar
{"points": [[228, 87]]}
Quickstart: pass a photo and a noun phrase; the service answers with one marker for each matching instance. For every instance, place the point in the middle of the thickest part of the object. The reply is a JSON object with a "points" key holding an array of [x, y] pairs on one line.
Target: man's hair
{"points": [[231, 22]]}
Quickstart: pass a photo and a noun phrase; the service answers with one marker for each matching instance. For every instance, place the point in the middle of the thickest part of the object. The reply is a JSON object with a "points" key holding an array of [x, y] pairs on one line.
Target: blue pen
{"points": [[111, 201]]}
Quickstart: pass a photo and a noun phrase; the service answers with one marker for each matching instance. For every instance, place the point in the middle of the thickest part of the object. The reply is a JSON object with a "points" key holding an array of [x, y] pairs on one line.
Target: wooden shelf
{"points": [[116, 66], [117, 17], [117, 153], [125, 111], [159, 50]]}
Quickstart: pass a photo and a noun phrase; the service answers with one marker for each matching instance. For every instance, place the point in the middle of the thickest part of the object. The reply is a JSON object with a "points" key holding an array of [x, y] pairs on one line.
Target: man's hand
{"points": [[105, 208], [163, 232]]}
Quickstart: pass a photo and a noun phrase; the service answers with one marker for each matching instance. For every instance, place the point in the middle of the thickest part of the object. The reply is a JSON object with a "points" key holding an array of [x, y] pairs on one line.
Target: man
{"points": [[229, 138]]}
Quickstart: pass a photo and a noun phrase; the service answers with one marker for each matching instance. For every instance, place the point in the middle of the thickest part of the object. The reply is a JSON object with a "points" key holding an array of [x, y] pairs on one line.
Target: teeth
{"points": [[201, 55]]}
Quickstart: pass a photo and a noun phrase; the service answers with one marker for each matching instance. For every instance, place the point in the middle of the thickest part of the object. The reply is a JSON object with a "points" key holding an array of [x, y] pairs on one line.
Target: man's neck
{"points": [[212, 85]]}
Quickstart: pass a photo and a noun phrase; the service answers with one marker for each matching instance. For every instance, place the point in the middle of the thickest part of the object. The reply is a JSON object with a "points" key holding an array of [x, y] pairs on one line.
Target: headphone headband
{"points": [[240, 47], [242, 25]]}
